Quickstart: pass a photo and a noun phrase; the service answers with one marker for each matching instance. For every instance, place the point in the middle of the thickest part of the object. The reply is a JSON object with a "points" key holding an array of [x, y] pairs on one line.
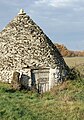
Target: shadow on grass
{"points": [[10, 90]]}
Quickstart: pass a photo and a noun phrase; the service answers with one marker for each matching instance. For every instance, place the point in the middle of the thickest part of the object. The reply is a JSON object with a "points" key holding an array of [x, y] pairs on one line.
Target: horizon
{"points": [[61, 21]]}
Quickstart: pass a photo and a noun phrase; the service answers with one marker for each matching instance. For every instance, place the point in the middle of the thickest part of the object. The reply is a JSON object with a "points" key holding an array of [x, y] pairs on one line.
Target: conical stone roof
{"points": [[23, 44]]}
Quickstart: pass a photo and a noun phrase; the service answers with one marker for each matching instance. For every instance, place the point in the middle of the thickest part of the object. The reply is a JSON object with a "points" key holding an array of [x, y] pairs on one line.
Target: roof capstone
{"points": [[21, 12]]}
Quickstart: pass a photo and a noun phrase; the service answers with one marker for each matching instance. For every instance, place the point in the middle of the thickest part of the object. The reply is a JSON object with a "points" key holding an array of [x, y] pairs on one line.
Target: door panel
{"points": [[40, 79]]}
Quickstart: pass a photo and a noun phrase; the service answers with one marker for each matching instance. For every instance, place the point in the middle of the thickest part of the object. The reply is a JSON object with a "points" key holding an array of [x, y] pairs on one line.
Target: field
{"points": [[63, 102], [76, 62]]}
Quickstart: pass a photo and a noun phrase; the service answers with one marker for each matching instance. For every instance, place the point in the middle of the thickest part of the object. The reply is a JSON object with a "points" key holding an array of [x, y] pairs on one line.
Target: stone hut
{"points": [[25, 48]]}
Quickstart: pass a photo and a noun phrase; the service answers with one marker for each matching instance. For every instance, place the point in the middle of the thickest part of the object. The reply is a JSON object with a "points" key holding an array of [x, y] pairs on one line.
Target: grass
{"points": [[76, 62], [64, 102]]}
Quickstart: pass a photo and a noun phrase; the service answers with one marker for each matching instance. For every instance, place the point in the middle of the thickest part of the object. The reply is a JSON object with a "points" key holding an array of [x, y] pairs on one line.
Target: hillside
{"points": [[68, 53]]}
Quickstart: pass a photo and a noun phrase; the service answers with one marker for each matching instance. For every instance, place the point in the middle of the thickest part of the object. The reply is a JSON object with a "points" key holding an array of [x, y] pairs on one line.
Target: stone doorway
{"points": [[25, 78]]}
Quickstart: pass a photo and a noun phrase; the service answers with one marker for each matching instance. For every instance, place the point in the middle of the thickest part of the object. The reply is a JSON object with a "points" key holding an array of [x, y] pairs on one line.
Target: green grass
{"points": [[64, 102]]}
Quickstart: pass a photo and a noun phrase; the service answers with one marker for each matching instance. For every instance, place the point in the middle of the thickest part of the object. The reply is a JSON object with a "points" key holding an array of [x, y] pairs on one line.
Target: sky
{"points": [[61, 20]]}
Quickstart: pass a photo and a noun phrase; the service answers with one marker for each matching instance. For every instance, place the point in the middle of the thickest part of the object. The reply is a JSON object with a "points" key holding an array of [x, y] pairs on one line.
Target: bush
{"points": [[74, 74]]}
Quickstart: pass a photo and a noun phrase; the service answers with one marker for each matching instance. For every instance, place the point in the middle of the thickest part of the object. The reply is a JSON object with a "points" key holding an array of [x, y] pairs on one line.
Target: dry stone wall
{"points": [[24, 44]]}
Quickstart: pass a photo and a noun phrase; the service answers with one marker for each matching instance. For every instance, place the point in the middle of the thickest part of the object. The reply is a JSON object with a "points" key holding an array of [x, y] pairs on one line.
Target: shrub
{"points": [[74, 74]]}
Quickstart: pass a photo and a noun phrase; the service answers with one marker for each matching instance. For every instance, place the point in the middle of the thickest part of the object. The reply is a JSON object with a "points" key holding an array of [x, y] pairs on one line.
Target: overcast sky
{"points": [[61, 20]]}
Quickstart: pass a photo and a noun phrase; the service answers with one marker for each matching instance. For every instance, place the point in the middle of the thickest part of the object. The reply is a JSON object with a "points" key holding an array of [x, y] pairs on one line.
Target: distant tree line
{"points": [[68, 53]]}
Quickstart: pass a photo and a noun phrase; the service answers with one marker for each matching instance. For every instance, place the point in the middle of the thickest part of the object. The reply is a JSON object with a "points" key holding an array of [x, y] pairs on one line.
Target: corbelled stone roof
{"points": [[23, 43]]}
